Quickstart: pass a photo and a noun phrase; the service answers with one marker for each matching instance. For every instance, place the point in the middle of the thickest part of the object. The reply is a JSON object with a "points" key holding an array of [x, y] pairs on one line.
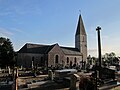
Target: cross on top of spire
{"points": [[98, 28], [80, 12]]}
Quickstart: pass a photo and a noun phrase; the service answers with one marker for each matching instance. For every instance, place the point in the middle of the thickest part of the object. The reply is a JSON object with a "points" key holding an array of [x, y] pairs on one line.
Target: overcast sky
{"points": [[55, 21]]}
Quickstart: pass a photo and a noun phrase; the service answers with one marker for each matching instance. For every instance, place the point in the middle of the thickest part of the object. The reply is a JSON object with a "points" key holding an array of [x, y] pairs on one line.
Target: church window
{"points": [[56, 59], [42, 61], [83, 38], [70, 64], [75, 60], [33, 59], [67, 59]]}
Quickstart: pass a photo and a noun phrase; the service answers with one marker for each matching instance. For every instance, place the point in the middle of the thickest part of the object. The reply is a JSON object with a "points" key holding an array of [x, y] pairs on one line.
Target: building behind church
{"points": [[55, 55]]}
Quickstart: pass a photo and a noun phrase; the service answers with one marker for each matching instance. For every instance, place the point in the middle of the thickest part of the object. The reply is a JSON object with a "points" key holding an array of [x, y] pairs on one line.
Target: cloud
{"points": [[4, 32], [17, 30], [13, 9], [27, 10], [105, 37], [5, 13], [92, 50]]}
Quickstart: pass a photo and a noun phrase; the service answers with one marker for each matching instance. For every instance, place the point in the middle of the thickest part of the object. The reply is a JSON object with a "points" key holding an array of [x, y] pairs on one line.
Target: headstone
{"points": [[9, 70], [32, 64], [97, 72], [74, 84], [0, 70], [16, 80], [50, 74], [21, 68]]}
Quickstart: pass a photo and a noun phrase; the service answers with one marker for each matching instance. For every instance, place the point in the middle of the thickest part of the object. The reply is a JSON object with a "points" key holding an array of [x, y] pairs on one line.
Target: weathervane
{"points": [[80, 11]]}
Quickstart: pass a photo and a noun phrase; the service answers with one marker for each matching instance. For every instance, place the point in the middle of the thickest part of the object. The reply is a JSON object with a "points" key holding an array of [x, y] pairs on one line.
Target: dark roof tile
{"points": [[44, 49], [35, 48], [70, 51], [80, 27]]}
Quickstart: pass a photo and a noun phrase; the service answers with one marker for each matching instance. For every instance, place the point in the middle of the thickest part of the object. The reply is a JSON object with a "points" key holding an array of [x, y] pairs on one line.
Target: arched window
{"points": [[75, 60], [67, 59], [83, 38], [70, 64], [56, 58], [42, 61], [41, 58], [33, 59]]}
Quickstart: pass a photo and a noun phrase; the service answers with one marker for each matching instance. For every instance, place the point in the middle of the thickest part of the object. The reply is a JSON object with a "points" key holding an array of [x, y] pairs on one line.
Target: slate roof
{"points": [[35, 48], [80, 27], [44, 49], [70, 51]]}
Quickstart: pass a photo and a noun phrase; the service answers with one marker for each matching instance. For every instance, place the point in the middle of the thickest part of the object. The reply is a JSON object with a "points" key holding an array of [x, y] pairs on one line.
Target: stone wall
{"points": [[55, 57], [71, 58], [25, 59], [56, 51]]}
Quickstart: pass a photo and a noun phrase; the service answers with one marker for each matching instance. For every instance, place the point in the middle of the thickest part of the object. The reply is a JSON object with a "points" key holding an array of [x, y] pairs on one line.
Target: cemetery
{"points": [[70, 76], [55, 67], [65, 79], [96, 76]]}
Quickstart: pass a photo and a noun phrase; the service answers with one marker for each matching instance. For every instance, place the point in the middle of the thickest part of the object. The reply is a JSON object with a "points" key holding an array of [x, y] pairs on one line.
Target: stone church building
{"points": [[55, 55]]}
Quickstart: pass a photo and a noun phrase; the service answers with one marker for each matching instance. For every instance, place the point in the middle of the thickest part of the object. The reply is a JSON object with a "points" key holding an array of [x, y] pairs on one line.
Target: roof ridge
{"points": [[36, 44], [68, 47], [49, 48]]}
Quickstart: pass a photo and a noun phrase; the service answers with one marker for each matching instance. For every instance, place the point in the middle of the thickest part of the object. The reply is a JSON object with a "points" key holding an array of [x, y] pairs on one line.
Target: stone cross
{"points": [[99, 49], [99, 44]]}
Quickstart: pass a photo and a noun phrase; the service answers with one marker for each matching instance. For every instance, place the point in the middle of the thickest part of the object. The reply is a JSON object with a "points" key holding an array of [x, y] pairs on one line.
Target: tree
{"points": [[110, 58], [6, 52]]}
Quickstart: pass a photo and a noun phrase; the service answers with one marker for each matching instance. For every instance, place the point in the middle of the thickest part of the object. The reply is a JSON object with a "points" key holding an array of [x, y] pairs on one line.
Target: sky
{"points": [[55, 21]]}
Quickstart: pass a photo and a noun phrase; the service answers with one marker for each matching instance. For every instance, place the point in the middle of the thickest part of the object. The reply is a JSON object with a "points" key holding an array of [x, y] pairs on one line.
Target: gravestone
{"points": [[107, 73], [32, 64], [74, 84], [9, 70], [50, 74]]}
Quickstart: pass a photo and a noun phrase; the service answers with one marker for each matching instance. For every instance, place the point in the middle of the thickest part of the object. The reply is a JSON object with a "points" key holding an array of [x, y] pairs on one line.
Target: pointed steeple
{"points": [[81, 38], [80, 27]]}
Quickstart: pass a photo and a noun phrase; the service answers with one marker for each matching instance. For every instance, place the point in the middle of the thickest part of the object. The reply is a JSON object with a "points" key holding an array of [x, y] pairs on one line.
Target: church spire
{"points": [[81, 38], [80, 27]]}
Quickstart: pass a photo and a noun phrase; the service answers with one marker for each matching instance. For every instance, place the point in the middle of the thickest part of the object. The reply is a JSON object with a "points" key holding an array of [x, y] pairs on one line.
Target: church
{"points": [[55, 55]]}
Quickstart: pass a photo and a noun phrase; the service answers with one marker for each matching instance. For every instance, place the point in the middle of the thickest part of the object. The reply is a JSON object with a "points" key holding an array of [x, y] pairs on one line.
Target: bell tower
{"points": [[81, 38]]}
